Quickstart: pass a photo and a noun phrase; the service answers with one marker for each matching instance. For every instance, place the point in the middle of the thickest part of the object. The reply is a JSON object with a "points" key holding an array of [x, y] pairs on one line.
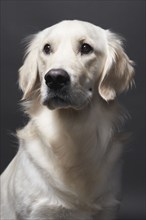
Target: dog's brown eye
{"points": [[47, 49], [86, 48]]}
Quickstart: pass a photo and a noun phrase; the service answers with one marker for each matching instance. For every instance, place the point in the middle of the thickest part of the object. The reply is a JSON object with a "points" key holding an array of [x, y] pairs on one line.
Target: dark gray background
{"points": [[21, 18]]}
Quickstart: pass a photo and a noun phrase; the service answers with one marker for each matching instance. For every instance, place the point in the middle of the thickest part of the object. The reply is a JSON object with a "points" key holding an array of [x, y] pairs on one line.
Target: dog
{"points": [[68, 163]]}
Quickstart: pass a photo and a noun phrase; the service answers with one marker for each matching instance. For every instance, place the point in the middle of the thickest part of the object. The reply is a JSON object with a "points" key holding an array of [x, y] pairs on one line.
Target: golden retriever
{"points": [[67, 165]]}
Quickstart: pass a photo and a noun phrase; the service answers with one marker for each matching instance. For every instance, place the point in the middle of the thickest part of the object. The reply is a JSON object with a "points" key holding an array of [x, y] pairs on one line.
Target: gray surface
{"points": [[21, 18]]}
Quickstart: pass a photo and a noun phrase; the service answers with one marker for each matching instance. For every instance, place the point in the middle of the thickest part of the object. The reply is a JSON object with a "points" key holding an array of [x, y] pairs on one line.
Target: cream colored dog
{"points": [[67, 165]]}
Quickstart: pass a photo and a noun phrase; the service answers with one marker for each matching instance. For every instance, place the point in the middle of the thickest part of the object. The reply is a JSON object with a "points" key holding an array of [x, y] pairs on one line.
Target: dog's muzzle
{"points": [[61, 93], [58, 83]]}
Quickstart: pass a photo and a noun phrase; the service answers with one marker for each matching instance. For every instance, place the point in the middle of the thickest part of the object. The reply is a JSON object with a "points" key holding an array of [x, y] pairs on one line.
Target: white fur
{"points": [[67, 166]]}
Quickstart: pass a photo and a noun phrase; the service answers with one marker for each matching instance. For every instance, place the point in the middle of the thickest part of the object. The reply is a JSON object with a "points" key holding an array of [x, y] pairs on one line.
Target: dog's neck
{"points": [[66, 128], [74, 142]]}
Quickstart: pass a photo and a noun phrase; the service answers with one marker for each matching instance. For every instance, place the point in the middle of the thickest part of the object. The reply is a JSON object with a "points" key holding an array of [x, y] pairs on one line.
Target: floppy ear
{"points": [[28, 71], [118, 71]]}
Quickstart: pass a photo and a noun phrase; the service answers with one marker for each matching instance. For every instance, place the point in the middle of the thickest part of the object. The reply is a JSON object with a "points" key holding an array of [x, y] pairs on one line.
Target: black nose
{"points": [[57, 78]]}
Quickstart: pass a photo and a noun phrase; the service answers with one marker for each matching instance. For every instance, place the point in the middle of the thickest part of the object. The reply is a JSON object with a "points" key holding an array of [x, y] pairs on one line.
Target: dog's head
{"points": [[72, 62]]}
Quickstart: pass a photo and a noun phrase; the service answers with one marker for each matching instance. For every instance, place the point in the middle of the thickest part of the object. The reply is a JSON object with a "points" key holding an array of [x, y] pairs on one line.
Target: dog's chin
{"points": [[57, 102]]}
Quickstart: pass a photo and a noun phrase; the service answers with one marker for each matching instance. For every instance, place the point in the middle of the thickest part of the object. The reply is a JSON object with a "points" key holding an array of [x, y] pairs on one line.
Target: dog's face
{"points": [[73, 61], [70, 61]]}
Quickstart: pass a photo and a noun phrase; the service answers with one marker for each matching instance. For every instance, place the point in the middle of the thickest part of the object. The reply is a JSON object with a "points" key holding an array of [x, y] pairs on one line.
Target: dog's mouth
{"points": [[66, 99]]}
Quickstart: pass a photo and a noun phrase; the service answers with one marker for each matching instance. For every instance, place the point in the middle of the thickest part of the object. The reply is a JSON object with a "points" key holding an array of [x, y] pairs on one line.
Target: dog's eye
{"points": [[47, 48], [86, 48]]}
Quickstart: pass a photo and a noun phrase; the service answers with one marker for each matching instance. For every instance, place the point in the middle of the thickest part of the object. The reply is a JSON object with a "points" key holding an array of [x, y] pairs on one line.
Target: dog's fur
{"points": [[67, 165]]}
